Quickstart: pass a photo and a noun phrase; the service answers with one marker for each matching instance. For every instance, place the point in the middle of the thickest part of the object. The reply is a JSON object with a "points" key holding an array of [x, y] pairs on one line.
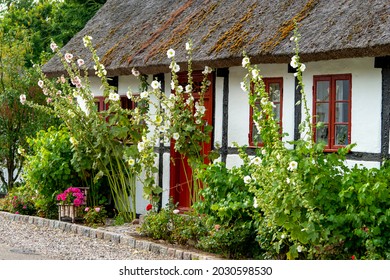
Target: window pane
{"points": [[322, 90], [256, 138], [322, 112], [274, 91], [342, 90], [342, 112], [341, 135], [322, 134], [276, 111]]}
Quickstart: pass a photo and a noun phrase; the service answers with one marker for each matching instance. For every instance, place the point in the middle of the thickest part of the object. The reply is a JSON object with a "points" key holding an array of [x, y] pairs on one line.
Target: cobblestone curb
{"points": [[110, 236]]}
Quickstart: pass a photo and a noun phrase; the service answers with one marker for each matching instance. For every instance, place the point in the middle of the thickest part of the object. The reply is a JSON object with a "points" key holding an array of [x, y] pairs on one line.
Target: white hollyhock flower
{"points": [[141, 146], [293, 165], [294, 61], [255, 204], [23, 98], [131, 161], [40, 83], [135, 72], [243, 86], [86, 40], [255, 73], [207, 70], [176, 136], [245, 61], [247, 179], [256, 161], [170, 53], [53, 46], [155, 84], [179, 89], [188, 88], [176, 68], [144, 94]]}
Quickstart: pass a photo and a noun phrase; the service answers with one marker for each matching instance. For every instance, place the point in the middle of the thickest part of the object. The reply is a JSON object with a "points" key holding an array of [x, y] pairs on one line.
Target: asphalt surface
{"points": [[18, 253]]}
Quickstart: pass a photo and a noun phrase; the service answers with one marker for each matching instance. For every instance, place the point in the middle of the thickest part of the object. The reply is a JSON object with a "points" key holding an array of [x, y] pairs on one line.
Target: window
{"points": [[274, 87], [332, 107]]}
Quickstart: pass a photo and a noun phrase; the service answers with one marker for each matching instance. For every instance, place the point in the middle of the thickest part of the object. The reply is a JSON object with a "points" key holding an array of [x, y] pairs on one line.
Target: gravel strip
{"points": [[57, 240], [57, 244]]}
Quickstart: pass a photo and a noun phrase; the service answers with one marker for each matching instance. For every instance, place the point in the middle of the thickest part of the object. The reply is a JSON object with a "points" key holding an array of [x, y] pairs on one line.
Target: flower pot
{"points": [[68, 212]]}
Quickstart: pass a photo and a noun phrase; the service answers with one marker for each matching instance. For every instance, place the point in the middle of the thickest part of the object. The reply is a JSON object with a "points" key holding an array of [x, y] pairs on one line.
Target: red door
{"points": [[181, 186]]}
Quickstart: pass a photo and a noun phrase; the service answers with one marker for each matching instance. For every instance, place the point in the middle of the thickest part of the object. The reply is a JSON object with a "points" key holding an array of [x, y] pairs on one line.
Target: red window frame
{"points": [[333, 103], [267, 83], [126, 103]]}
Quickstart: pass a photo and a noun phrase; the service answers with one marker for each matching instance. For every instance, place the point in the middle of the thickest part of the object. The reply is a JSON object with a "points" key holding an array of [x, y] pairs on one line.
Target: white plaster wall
{"points": [[166, 179], [366, 97], [218, 110], [367, 164], [96, 86], [128, 82]]}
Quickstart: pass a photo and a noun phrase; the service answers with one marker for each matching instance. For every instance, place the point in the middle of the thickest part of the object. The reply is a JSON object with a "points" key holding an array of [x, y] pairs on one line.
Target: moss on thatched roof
{"points": [[137, 33]]}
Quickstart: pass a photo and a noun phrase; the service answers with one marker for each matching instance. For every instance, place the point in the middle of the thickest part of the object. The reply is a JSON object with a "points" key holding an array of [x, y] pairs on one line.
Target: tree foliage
{"points": [[16, 121], [26, 29], [46, 20]]}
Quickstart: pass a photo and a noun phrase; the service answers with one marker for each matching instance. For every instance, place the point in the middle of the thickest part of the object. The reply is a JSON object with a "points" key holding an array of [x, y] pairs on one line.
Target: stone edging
{"points": [[132, 242]]}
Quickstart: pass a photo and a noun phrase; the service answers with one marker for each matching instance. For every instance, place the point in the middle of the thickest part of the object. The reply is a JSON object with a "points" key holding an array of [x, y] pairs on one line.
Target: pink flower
{"points": [[97, 209], [68, 57], [53, 46], [17, 212], [86, 209], [217, 227], [80, 62], [24, 207], [77, 202], [49, 100]]}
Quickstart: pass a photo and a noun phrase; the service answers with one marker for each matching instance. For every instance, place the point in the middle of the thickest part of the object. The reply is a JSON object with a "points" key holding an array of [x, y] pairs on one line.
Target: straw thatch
{"points": [[137, 33]]}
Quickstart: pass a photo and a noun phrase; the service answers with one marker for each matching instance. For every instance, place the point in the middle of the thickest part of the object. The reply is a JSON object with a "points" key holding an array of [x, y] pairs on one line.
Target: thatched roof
{"points": [[137, 33]]}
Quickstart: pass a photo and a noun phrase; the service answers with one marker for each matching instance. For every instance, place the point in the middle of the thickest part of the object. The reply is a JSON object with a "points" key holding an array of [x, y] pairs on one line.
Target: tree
{"points": [[26, 30], [16, 121], [46, 20]]}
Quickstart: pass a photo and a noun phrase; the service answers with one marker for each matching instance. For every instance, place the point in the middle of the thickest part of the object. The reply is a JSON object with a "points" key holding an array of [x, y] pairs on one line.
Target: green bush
{"points": [[95, 216], [173, 227], [227, 208], [48, 169], [19, 200]]}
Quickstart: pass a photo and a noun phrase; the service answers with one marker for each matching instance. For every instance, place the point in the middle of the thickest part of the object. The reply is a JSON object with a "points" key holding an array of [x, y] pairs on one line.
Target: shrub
{"points": [[48, 169], [19, 201], [95, 216], [173, 227], [227, 207]]}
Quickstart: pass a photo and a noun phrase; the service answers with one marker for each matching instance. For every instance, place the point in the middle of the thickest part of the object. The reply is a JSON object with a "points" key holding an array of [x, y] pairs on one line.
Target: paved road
{"points": [[14, 253]]}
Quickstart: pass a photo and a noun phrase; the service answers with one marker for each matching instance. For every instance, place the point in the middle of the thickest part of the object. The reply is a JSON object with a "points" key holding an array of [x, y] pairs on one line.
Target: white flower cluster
{"points": [[295, 64], [87, 40], [113, 96], [293, 165]]}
